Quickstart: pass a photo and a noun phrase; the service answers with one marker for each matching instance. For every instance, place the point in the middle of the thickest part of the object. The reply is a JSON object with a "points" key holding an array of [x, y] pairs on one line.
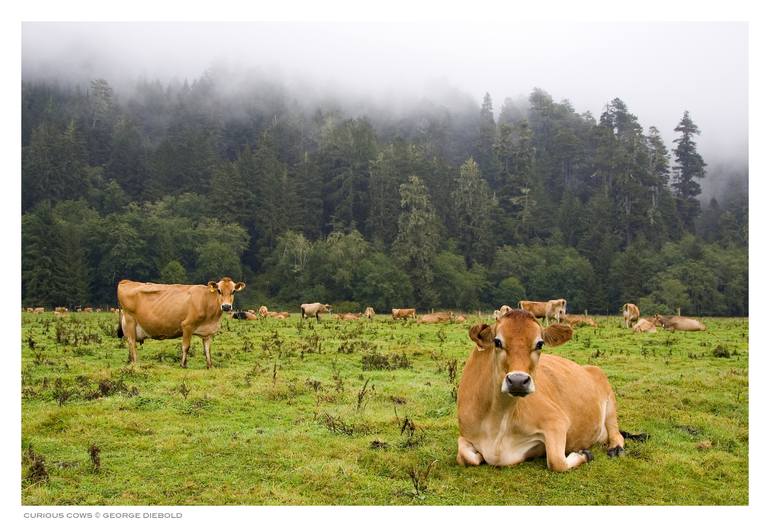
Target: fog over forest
{"points": [[452, 166], [658, 69]]}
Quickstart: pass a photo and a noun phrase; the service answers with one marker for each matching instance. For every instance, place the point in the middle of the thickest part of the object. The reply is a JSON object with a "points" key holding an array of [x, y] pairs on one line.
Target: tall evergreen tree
{"points": [[417, 241], [688, 169], [473, 203]]}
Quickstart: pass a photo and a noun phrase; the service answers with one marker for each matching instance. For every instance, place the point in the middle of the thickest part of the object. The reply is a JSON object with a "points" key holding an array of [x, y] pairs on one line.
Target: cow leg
{"points": [[129, 330], [467, 453], [558, 461], [615, 441], [207, 349], [186, 338]]}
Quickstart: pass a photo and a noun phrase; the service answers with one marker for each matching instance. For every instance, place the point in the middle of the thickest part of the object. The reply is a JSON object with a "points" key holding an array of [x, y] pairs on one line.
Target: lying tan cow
{"points": [[515, 403], [404, 313], [244, 315], [163, 311], [369, 312], [349, 316], [263, 311], [60, 309], [29, 310], [436, 318], [579, 320], [314, 309], [679, 323], [645, 326], [460, 318], [630, 314], [38, 310]]}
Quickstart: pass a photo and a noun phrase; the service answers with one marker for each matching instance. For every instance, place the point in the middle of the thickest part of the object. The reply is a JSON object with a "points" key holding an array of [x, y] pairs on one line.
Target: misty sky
{"points": [[658, 69]]}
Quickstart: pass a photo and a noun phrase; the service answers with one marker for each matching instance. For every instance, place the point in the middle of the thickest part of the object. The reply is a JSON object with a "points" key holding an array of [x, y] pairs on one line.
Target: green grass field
{"points": [[358, 413]]}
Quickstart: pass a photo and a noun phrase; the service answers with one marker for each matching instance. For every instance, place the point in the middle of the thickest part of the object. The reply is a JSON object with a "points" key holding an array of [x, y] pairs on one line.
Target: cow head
{"points": [[225, 290], [516, 341], [327, 308]]}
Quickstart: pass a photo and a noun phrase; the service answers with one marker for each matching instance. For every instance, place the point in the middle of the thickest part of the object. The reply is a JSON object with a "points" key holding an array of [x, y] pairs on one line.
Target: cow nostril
{"points": [[526, 381]]}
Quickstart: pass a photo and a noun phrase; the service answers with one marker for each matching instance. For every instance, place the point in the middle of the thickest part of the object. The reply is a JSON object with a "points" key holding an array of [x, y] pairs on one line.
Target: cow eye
{"points": [[539, 345], [498, 343]]}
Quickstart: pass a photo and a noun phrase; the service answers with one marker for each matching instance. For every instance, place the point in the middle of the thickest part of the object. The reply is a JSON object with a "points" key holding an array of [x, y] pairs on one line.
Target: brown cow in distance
{"points": [[165, 311], [403, 313], [348, 316], [679, 323], [630, 314], [515, 403], [579, 320], [435, 318], [645, 326]]}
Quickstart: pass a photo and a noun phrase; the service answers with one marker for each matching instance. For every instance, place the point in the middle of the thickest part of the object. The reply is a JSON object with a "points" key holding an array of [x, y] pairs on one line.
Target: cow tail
{"points": [[635, 437], [120, 325]]}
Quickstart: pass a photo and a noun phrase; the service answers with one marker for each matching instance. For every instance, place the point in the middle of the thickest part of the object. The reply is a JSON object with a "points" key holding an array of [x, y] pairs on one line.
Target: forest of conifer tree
{"points": [[307, 200]]}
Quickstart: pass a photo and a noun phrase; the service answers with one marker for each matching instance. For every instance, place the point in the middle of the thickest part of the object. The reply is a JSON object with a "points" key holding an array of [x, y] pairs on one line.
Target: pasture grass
{"points": [[359, 413]]}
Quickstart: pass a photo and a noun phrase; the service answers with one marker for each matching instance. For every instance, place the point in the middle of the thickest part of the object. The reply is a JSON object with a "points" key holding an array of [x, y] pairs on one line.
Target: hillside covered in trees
{"points": [[318, 199]]}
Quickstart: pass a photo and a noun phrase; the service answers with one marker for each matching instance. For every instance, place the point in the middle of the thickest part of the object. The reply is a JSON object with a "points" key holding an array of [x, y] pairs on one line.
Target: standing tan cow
{"points": [[555, 309], [163, 311], [369, 312], [502, 311], [314, 309], [679, 323], [536, 307], [403, 313], [515, 403], [630, 314]]}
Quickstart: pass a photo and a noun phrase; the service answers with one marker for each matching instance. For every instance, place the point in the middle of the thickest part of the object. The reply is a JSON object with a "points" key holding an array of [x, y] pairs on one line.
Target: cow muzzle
{"points": [[226, 307], [518, 384]]}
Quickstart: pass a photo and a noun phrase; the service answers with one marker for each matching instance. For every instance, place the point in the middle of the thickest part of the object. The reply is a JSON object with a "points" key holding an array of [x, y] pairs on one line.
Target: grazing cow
{"points": [[244, 315], [680, 323], [314, 309], [514, 403], [403, 313], [579, 320], [263, 311], [369, 312], [555, 309], [645, 326], [630, 314], [349, 316], [163, 311]]}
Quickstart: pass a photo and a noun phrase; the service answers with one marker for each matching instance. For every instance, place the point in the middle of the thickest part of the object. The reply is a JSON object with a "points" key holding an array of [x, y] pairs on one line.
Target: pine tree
{"points": [[688, 169], [473, 204], [485, 145], [418, 239]]}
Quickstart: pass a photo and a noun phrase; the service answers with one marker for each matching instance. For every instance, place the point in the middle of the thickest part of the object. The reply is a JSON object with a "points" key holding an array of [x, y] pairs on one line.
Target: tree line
{"points": [[436, 206]]}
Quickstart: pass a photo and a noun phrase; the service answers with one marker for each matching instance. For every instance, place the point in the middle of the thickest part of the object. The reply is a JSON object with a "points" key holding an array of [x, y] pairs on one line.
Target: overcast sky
{"points": [[659, 69]]}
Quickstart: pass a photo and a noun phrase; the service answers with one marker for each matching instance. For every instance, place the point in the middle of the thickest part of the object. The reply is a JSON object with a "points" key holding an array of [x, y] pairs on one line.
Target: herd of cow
{"points": [[513, 402]]}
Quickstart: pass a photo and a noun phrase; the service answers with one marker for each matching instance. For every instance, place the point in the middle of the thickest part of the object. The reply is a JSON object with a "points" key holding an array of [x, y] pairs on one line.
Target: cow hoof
{"points": [[588, 455], [616, 451]]}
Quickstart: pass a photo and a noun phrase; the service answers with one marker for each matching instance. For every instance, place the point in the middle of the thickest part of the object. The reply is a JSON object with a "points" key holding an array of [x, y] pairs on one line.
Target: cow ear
{"points": [[481, 334], [240, 286], [557, 334], [212, 286]]}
